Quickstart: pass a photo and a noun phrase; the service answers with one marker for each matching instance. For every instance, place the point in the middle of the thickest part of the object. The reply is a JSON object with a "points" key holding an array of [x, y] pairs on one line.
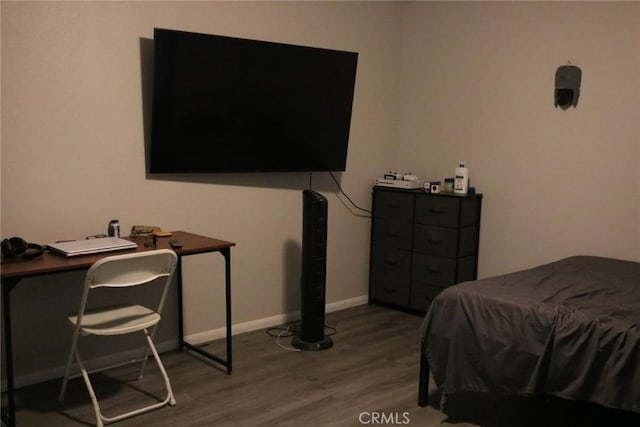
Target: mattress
{"points": [[570, 328]]}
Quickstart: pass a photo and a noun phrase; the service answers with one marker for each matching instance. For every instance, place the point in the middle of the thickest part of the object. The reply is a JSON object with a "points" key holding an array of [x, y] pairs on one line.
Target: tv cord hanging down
{"points": [[335, 180], [349, 198]]}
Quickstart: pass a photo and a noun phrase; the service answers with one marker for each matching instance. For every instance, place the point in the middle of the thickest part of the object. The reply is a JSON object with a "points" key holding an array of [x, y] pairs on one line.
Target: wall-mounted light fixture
{"points": [[567, 92]]}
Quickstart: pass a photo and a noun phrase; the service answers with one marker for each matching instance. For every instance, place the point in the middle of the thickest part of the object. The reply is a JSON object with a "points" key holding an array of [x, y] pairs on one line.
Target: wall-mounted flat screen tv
{"points": [[227, 104]]}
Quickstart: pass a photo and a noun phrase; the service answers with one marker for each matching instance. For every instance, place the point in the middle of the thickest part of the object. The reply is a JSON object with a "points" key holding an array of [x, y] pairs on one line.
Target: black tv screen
{"points": [[227, 104]]}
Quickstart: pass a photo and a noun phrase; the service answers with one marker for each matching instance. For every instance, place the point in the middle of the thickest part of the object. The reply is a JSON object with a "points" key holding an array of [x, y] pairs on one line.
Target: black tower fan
{"points": [[314, 262]]}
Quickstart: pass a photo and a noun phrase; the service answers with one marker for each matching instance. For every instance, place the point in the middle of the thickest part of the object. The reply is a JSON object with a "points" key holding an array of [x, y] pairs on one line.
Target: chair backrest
{"points": [[139, 268], [132, 269]]}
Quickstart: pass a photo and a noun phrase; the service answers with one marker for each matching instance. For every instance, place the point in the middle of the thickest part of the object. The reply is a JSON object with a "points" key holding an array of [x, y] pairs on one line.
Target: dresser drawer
{"points": [[393, 234], [432, 240], [422, 294], [467, 269], [390, 262], [434, 270], [393, 205], [443, 241], [434, 210], [390, 293], [448, 211], [439, 271], [390, 275]]}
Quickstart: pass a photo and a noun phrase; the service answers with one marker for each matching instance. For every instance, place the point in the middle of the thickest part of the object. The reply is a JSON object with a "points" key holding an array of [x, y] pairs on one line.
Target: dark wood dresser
{"points": [[421, 243]]}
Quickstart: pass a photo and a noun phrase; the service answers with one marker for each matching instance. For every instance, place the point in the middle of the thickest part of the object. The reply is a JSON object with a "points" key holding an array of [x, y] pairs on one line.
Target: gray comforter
{"points": [[570, 329]]}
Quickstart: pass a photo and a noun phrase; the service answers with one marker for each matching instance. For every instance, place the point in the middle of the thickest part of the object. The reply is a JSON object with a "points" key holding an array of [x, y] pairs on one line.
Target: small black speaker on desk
{"points": [[314, 262]]}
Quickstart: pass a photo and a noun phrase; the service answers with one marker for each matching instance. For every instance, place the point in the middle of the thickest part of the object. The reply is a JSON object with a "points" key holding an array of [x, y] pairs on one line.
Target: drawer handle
{"points": [[437, 211], [389, 290], [434, 241], [390, 262], [392, 206], [432, 270], [391, 234]]}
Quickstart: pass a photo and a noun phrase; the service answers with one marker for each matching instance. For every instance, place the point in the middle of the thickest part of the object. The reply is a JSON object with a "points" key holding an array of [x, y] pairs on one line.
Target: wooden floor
{"points": [[369, 377]]}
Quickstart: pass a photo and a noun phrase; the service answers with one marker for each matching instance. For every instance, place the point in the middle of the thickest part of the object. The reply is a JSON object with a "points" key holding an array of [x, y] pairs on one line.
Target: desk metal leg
{"points": [[180, 315], [226, 253], [8, 415]]}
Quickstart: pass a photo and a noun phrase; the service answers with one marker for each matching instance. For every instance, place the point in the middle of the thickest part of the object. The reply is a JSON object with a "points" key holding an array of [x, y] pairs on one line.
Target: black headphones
{"points": [[17, 246]]}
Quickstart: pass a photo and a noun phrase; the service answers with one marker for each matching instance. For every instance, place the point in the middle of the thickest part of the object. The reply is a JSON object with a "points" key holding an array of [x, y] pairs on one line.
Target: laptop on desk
{"points": [[91, 246]]}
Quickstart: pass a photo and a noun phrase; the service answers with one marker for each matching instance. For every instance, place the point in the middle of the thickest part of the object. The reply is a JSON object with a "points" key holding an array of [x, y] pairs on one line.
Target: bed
{"points": [[569, 329]]}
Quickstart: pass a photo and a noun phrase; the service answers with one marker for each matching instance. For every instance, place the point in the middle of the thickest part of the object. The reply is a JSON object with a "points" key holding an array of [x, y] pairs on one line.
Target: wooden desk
{"points": [[13, 270]]}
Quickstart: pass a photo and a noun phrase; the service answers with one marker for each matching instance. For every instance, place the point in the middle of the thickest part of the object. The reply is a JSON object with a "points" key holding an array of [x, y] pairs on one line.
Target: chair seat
{"points": [[116, 320]]}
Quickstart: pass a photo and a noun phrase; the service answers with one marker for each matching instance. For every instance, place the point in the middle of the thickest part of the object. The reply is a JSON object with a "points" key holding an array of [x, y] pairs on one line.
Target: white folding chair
{"points": [[122, 271]]}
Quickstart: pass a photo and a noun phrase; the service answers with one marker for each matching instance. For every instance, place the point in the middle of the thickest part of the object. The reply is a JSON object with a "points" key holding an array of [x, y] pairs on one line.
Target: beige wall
{"points": [[437, 83], [73, 154], [477, 85]]}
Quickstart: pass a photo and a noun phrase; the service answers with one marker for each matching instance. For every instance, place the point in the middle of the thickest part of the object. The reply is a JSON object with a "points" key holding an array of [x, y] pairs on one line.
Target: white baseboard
{"points": [[195, 339], [267, 322]]}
